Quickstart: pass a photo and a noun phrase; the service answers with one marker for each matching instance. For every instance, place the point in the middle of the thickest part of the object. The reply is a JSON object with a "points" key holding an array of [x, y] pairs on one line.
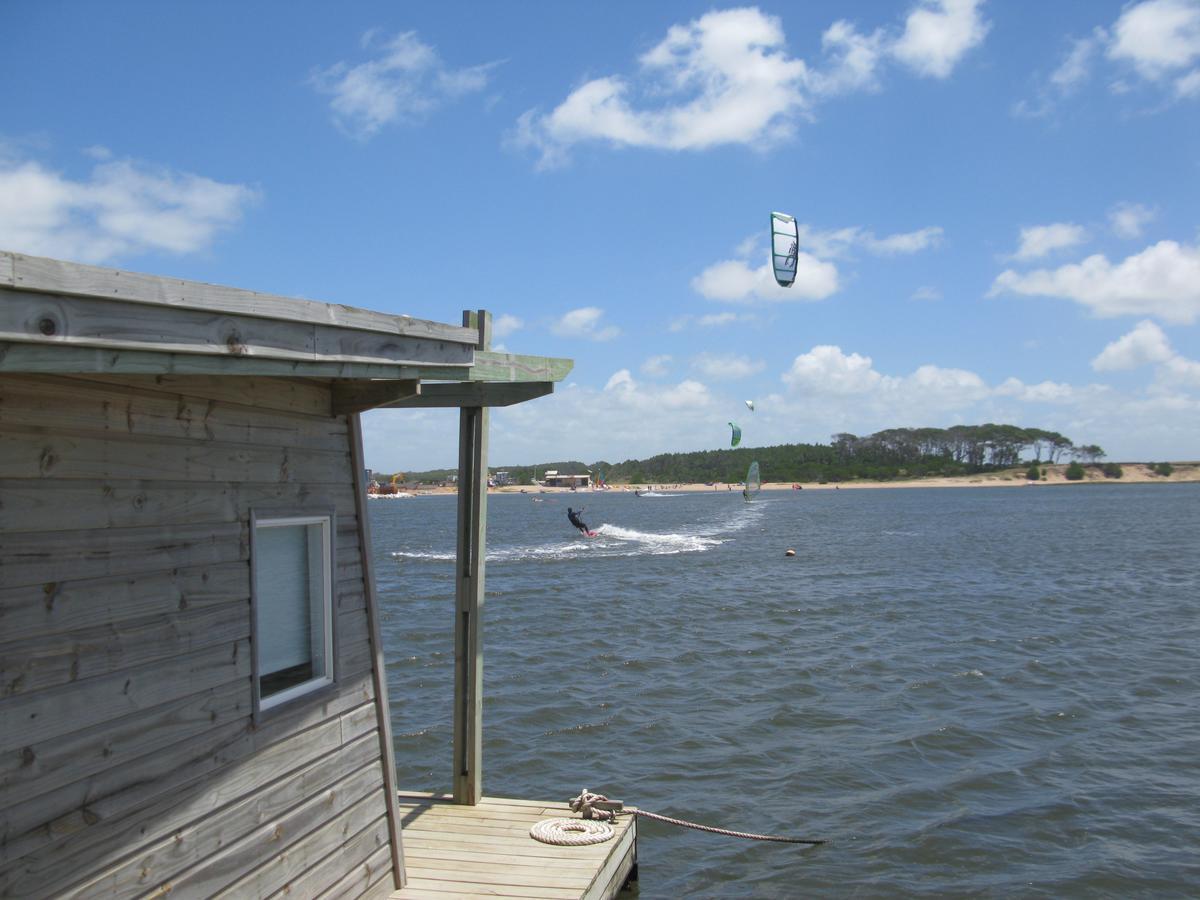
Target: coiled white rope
{"points": [[571, 832]]}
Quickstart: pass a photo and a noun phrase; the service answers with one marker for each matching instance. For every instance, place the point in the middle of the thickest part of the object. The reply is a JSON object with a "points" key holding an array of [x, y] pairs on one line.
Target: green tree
{"points": [[1059, 445], [1033, 473], [1074, 471]]}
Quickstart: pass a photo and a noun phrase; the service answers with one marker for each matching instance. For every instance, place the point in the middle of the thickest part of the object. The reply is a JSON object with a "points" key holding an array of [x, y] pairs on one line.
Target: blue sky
{"points": [[997, 201]]}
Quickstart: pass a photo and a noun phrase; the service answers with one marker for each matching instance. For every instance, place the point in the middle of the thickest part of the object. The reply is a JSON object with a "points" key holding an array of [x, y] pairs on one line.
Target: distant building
{"points": [[502, 478], [553, 479]]}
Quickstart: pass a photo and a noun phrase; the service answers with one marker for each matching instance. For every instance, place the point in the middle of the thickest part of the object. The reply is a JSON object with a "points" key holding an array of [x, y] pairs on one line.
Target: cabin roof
{"points": [[64, 317]]}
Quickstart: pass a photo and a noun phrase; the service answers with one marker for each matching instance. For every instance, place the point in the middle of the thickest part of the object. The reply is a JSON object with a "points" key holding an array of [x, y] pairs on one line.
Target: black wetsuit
{"points": [[576, 521]]}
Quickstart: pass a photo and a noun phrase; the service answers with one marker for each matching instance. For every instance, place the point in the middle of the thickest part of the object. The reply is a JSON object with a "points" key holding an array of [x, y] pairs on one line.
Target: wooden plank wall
{"points": [[129, 763]]}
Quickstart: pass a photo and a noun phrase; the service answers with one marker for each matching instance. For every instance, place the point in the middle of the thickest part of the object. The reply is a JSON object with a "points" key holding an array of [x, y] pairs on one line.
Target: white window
{"points": [[291, 561]]}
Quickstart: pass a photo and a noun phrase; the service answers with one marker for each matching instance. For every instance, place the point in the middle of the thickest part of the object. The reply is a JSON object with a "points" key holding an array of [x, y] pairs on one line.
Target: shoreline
{"points": [[1133, 473]]}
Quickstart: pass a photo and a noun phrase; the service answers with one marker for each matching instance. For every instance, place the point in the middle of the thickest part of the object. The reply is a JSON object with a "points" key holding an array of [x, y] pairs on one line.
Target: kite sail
{"points": [[736, 437], [753, 482], [750, 403], [785, 247]]}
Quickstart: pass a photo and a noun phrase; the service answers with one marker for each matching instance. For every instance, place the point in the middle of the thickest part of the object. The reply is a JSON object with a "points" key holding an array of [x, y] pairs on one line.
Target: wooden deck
{"points": [[485, 851]]}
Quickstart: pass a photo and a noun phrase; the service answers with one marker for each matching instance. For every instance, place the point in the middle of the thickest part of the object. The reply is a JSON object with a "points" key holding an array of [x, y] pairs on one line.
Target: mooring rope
{"points": [[571, 832], [559, 831]]}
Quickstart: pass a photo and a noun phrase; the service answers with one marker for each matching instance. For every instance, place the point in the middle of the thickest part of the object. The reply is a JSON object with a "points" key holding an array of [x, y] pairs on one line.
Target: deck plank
{"points": [[485, 850]]}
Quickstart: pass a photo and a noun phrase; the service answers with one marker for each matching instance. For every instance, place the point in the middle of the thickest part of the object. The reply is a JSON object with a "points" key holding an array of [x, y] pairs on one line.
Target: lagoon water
{"points": [[967, 691]]}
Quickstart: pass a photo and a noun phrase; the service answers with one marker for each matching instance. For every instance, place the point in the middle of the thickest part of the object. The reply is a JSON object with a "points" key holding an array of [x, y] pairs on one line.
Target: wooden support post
{"points": [[469, 571], [378, 664]]}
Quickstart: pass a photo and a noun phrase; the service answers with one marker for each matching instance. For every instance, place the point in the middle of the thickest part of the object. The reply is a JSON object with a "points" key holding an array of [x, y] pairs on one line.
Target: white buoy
{"points": [[789, 552]]}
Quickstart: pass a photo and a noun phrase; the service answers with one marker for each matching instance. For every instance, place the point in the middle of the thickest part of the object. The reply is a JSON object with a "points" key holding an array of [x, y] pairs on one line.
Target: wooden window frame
{"points": [[316, 689]]}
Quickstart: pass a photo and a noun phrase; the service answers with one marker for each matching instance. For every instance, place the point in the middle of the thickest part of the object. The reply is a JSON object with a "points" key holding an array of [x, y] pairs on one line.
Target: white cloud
{"points": [[938, 33], [1145, 344], [620, 379], [1070, 75], [1163, 281], [123, 208], [926, 292], [1042, 392], [585, 323], [1128, 219], [1156, 42], [724, 78], [1076, 67], [840, 242], [855, 58], [1040, 240], [406, 80], [898, 244], [688, 394], [734, 280], [715, 320], [1188, 86], [727, 365], [1182, 371], [657, 365], [826, 369], [826, 377], [946, 385], [1158, 37], [504, 325]]}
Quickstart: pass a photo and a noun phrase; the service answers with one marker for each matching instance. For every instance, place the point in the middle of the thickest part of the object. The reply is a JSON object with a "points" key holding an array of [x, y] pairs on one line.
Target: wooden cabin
{"points": [[193, 699]]}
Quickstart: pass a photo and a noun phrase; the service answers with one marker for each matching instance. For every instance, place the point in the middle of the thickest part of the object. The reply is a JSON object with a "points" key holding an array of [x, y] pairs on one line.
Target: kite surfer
{"points": [[573, 515]]}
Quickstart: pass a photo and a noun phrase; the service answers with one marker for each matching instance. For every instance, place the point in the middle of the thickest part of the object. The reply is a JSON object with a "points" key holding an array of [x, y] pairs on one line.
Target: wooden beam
{"points": [[35, 273], [116, 324], [469, 588], [504, 367], [64, 359], [355, 395], [378, 667], [474, 393]]}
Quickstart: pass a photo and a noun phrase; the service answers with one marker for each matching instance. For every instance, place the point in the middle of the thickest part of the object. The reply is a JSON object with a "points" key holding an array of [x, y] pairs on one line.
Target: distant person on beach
{"points": [[573, 515]]}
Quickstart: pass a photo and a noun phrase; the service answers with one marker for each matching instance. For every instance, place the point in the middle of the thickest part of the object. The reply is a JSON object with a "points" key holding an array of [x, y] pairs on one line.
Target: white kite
{"points": [[785, 246]]}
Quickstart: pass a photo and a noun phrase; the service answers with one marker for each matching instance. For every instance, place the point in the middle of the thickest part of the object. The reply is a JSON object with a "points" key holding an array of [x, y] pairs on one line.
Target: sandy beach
{"points": [[1132, 473]]}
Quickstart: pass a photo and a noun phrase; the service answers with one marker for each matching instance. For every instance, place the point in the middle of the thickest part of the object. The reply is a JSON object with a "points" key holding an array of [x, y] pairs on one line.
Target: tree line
{"points": [[883, 456]]}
